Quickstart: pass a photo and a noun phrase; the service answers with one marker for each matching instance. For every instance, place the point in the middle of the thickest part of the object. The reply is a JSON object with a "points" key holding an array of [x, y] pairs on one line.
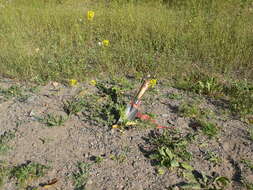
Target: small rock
{"points": [[181, 123], [226, 146]]}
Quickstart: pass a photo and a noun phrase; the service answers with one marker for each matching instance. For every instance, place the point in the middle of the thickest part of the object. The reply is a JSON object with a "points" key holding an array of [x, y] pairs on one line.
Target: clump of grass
{"points": [[13, 91], [200, 118], [123, 84], [208, 128], [241, 97], [194, 111], [27, 172], [212, 157], [238, 94], [53, 120], [4, 173], [4, 139], [175, 96], [248, 164], [80, 177], [208, 86], [189, 110]]}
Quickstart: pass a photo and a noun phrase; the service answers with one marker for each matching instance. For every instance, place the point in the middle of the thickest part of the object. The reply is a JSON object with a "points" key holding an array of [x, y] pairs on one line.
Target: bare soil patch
{"points": [[116, 159]]}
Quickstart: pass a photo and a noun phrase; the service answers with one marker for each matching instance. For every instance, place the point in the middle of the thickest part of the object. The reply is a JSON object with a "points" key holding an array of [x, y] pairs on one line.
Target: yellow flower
{"points": [[152, 83], [160, 171], [105, 43], [72, 82], [90, 15], [131, 123], [93, 82]]}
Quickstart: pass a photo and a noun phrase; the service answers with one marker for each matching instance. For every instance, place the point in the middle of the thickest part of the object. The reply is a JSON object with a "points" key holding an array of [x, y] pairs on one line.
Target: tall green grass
{"points": [[52, 39]]}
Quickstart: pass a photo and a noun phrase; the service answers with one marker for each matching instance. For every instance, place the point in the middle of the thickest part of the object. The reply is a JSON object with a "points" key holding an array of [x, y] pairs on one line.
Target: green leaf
{"points": [[222, 181], [174, 163], [189, 177], [169, 153], [186, 166], [154, 156], [205, 179], [162, 151]]}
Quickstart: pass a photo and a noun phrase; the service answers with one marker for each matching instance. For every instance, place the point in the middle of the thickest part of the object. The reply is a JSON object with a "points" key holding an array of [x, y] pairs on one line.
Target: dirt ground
{"points": [[124, 163]]}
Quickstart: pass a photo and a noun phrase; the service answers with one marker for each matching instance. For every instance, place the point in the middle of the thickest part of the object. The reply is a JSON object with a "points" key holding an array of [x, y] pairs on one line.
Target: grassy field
{"points": [[204, 46], [53, 40]]}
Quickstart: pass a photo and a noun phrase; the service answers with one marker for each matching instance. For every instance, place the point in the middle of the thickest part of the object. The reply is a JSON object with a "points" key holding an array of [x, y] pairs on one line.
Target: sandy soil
{"points": [[124, 163]]}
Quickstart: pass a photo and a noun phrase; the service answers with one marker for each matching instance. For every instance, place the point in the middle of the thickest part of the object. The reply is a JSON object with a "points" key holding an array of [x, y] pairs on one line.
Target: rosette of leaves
{"points": [[170, 150]]}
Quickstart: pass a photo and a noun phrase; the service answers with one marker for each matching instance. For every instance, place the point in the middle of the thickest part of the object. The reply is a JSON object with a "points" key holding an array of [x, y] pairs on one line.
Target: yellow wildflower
{"points": [[105, 43], [115, 126], [160, 171], [131, 123], [90, 15], [152, 83], [72, 82], [93, 82]]}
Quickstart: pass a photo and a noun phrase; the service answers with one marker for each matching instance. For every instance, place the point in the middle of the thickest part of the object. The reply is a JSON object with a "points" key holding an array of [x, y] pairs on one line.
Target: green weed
{"points": [[175, 96], [104, 108], [208, 86], [239, 95], [208, 128], [120, 158], [27, 172], [4, 139], [123, 84], [34, 89], [212, 157], [53, 120], [99, 159], [80, 177], [198, 180], [13, 91], [189, 110], [193, 111], [73, 106], [170, 150], [121, 155], [4, 173], [248, 185], [248, 164]]}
